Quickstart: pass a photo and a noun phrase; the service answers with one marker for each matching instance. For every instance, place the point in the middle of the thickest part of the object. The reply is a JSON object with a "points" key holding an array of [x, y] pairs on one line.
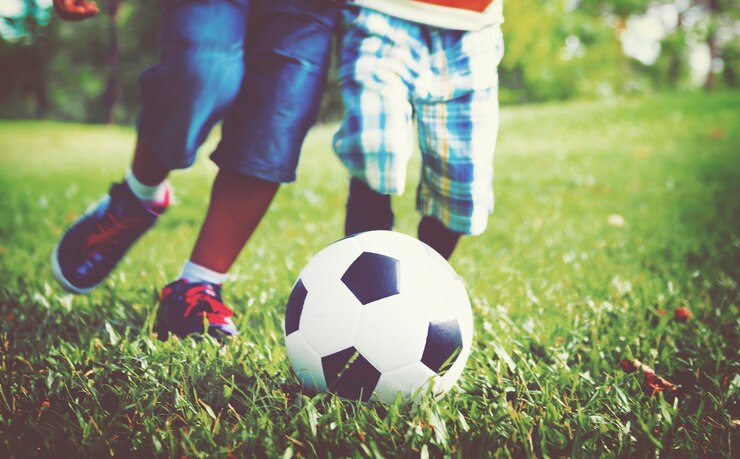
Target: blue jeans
{"points": [[258, 65]]}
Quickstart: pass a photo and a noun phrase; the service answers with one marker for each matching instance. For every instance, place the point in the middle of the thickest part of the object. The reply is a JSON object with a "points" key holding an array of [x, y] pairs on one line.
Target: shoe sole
{"points": [[56, 270]]}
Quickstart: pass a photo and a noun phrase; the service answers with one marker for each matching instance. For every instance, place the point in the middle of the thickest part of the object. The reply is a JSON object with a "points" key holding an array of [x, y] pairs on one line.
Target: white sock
{"points": [[146, 193], [193, 272]]}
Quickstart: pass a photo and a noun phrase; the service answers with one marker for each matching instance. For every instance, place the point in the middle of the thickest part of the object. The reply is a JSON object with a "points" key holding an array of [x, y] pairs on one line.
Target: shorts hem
{"points": [[256, 172], [468, 226], [165, 155]]}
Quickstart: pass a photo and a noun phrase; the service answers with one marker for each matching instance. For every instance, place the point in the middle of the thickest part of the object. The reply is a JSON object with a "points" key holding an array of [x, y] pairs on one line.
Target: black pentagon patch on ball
{"points": [[443, 346], [295, 307], [350, 375], [372, 277]]}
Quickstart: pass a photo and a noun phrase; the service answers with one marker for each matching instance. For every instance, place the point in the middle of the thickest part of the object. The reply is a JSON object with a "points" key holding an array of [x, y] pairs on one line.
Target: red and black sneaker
{"points": [[92, 247], [193, 308]]}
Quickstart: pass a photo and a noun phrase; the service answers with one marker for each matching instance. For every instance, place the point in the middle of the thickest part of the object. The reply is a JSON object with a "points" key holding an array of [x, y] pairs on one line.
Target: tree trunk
{"points": [[624, 61], [675, 63], [41, 95], [111, 93], [714, 9]]}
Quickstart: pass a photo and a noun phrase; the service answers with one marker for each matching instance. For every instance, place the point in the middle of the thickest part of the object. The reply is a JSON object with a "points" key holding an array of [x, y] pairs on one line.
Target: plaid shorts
{"points": [[398, 75]]}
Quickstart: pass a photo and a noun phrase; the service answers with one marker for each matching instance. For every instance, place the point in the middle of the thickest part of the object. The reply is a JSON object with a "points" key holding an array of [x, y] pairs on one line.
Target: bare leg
{"points": [[238, 203], [146, 167]]}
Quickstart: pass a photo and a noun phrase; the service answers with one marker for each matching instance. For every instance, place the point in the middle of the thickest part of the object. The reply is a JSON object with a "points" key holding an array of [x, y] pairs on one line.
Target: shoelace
{"points": [[219, 313], [108, 232]]}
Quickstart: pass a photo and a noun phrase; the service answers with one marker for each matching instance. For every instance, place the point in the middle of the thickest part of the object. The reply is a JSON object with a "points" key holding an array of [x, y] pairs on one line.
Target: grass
{"points": [[609, 217]]}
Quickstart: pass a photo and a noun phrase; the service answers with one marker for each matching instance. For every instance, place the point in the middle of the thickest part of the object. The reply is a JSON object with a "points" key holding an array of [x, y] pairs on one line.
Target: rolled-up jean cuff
{"points": [[268, 174]]}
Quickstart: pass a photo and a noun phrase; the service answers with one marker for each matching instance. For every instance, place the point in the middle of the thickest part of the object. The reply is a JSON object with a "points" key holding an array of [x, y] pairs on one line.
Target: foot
{"points": [[187, 308], [92, 247]]}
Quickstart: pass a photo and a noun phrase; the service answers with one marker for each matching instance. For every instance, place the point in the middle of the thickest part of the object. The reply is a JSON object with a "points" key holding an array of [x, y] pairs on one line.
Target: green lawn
{"points": [[609, 216]]}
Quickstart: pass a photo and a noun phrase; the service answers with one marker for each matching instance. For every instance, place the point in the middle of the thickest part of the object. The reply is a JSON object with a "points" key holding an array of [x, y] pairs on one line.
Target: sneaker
{"points": [[90, 249], [186, 308]]}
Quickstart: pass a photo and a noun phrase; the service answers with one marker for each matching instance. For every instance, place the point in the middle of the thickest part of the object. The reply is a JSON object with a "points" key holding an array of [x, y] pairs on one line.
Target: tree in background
{"points": [[534, 36], [111, 87], [721, 21], [25, 62], [555, 49], [615, 14], [89, 70], [564, 48], [708, 23]]}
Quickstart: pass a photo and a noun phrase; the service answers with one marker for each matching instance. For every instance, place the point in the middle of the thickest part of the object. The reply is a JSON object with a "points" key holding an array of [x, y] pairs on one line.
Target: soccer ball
{"points": [[378, 314]]}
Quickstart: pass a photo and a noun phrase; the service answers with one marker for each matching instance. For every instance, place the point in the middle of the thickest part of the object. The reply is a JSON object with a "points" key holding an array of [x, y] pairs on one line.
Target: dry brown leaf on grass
{"points": [[653, 382]]}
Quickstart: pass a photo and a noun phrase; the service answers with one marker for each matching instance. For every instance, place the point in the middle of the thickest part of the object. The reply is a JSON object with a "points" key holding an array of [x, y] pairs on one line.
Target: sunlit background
{"points": [[11, 10], [556, 50]]}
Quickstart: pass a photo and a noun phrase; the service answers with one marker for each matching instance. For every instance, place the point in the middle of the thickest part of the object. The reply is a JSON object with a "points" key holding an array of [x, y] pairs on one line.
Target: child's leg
{"points": [[146, 167], [455, 195], [375, 140], [367, 210], [182, 99], [147, 178], [288, 52], [458, 127], [287, 59], [238, 203], [437, 236]]}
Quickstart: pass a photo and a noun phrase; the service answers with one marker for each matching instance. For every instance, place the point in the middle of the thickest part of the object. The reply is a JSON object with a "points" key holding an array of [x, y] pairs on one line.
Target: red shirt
{"points": [[447, 14]]}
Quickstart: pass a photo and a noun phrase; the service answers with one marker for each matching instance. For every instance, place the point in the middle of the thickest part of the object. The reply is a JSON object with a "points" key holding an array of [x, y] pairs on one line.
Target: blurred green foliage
{"points": [[555, 50]]}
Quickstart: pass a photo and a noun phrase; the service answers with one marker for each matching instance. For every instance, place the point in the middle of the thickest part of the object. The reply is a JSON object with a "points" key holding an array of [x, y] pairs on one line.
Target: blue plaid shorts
{"points": [[399, 77]]}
